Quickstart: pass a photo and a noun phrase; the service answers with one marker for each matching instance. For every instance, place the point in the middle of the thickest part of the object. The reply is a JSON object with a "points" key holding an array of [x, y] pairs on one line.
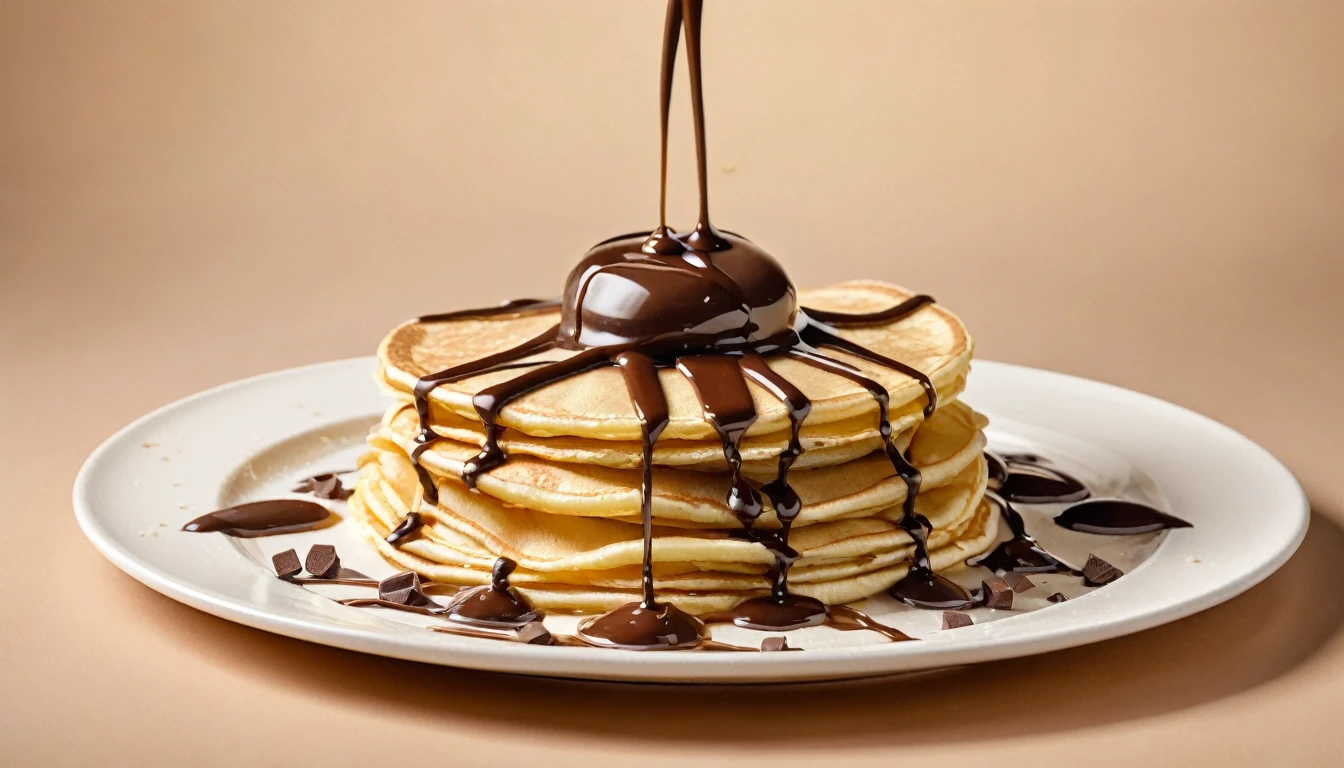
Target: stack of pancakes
{"points": [[566, 504]]}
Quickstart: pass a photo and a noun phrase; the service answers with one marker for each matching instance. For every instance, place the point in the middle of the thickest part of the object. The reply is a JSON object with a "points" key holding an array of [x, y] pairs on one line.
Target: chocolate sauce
{"points": [[1116, 517], [494, 604], [261, 518], [1026, 478], [848, 619], [892, 314], [1021, 553], [727, 406], [635, 627], [409, 525], [924, 588], [773, 613]]}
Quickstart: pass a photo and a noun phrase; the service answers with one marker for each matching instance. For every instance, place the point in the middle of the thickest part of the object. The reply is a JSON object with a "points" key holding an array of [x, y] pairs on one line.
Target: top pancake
{"points": [[595, 404]]}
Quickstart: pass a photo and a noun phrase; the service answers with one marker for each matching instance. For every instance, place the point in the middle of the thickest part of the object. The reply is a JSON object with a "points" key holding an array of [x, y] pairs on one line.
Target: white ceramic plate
{"points": [[253, 438]]}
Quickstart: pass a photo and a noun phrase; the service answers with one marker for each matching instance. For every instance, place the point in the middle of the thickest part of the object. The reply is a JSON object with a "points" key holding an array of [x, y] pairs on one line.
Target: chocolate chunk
{"points": [[1097, 572], [322, 561], [534, 633], [1018, 581], [996, 593], [956, 620], [775, 643], [403, 588], [326, 485], [1058, 597], [287, 564]]}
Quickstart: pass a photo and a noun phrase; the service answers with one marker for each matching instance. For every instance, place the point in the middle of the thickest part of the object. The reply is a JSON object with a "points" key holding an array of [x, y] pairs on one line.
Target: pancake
{"points": [[824, 444], [595, 404], [976, 536], [556, 554], [941, 448]]}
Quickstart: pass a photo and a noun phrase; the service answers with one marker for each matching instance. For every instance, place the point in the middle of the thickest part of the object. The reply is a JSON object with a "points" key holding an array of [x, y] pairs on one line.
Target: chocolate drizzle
{"points": [[409, 526], [262, 518], [1029, 479], [1116, 517], [1024, 477], [1021, 553]]}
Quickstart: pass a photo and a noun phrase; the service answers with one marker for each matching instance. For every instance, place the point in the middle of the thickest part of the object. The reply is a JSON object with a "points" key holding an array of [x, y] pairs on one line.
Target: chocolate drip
{"points": [[1021, 553], [409, 526], [921, 587], [489, 401], [646, 394], [427, 384], [728, 407], [495, 604], [820, 336], [645, 625], [784, 499], [782, 496], [1116, 517], [261, 518]]}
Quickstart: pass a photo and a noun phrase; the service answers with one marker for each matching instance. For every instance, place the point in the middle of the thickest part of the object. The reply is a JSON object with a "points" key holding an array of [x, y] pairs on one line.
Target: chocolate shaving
{"points": [[323, 562], [287, 564], [403, 588], [326, 485], [996, 593], [776, 643], [1058, 597], [1018, 581], [956, 620], [1097, 572]]}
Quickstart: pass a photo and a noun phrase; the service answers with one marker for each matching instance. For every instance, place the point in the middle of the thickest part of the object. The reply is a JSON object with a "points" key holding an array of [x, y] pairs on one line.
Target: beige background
{"points": [[1150, 193]]}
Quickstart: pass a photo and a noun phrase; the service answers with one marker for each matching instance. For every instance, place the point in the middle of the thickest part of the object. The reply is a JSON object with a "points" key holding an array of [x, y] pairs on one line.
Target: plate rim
{"points": [[819, 664]]}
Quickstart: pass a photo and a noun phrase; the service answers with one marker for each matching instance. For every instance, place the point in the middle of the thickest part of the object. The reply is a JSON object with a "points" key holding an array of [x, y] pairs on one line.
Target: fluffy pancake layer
{"points": [[941, 448], [584, 564], [595, 405]]}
